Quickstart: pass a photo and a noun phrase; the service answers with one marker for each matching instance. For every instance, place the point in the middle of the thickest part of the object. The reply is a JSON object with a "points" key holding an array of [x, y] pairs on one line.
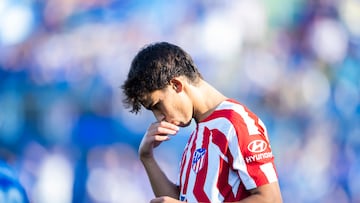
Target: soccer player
{"points": [[228, 156]]}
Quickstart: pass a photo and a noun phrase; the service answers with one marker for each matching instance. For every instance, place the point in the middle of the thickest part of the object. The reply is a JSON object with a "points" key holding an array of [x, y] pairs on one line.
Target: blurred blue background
{"points": [[63, 127]]}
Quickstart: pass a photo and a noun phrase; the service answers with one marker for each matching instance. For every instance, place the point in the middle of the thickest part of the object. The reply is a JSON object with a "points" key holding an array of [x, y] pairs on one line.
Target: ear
{"points": [[177, 84]]}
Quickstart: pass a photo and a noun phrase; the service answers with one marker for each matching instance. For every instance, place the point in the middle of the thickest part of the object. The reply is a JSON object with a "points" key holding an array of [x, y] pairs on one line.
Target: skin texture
{"points": [[174, 106]]}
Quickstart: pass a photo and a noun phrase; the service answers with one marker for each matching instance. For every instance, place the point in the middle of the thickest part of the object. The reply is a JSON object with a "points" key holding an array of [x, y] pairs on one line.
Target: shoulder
{"points": [[234, 111]]}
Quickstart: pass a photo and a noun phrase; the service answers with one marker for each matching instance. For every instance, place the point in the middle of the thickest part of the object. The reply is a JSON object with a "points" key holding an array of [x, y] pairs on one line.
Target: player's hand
{"points": [[155, 135], [165, 199]]}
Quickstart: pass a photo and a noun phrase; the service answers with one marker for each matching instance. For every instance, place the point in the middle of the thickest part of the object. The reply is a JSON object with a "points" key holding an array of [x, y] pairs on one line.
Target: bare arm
{"points": [[157, 133], [160, 184], [269, 193]]}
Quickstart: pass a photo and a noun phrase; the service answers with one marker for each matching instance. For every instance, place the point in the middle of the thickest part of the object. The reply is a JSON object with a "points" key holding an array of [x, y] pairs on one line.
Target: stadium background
{"points": [[63, 128]]}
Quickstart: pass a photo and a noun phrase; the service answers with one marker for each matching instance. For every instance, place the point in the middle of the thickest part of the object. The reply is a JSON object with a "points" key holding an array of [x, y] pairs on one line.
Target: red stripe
{"points": [[199, 192], [184, 188], [242, 193], [219, 139], [182, 163], [183, 159]]}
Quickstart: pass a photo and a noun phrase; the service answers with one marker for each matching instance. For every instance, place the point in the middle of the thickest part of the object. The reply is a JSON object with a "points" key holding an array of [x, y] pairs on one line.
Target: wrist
{"points": [[146, 158]]}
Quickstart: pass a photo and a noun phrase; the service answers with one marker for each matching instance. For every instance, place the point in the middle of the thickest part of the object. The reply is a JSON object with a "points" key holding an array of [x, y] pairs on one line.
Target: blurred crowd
{"points": [[69, 139]]}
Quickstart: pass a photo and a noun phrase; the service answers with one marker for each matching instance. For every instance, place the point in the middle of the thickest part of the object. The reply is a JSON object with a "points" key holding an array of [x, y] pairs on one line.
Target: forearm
{"points": [[258, 199], [160, 184], [269, 193]]}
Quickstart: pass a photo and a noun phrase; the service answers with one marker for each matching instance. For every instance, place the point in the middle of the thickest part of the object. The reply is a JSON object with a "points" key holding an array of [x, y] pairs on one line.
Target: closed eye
{"points": [[154, 106], [148, 107]]}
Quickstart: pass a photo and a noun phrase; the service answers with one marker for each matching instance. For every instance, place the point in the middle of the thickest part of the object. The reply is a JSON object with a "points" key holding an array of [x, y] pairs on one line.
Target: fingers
{"points": [[161, 138], [154, 136], [164, 199], [168, 125], [161, 131], [162, 128]]}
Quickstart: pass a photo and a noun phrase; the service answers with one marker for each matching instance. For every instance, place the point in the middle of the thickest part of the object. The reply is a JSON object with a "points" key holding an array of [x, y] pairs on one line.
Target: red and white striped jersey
{"points": [[227, 154]]}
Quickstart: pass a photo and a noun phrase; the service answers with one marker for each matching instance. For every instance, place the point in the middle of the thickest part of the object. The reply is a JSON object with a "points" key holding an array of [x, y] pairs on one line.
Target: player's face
{"points": [[170, 105]]}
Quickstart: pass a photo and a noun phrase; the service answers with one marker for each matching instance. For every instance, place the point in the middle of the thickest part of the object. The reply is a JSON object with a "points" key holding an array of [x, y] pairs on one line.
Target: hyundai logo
{"points": [[257, 146]]}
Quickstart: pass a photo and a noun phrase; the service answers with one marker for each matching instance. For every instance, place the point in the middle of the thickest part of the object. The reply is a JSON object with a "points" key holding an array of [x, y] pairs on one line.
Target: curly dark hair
{"points": [[152, 69]]}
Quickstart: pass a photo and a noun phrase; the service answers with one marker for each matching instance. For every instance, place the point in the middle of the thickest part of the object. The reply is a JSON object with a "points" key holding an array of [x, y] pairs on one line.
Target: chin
{"points": [[183, 125]]}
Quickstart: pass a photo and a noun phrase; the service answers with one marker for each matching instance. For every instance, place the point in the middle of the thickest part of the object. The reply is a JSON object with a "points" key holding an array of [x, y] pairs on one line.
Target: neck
{"points": [[205, 100]]}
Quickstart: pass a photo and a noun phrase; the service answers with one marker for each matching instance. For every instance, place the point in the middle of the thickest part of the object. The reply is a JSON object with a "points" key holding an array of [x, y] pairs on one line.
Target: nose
{"points": [[159, 116]]}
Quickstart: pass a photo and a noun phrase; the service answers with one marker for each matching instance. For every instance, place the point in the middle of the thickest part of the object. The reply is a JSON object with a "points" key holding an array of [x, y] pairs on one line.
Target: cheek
{"points": [[175, 109], [179, 107], [186, 108]]}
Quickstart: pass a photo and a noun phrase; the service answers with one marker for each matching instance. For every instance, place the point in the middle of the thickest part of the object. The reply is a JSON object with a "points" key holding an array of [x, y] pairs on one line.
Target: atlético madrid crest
{"points": [[198, 160]]}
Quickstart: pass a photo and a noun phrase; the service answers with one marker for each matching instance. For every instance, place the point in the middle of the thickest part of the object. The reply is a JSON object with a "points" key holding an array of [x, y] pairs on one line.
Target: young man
{"points": [[228, 156]]}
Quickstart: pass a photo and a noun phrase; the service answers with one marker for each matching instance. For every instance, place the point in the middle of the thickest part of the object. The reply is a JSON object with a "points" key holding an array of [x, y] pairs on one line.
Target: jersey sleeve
{"points": [[251, 153]]}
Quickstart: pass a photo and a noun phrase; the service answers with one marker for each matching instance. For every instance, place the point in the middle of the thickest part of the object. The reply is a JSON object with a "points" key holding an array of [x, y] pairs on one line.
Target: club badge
{"points": [[198, 159]]}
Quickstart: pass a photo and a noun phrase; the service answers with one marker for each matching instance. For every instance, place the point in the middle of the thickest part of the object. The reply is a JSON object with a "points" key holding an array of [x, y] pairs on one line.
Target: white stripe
{"points": [[239, 163], [250, 123], [187, 161], [234, 181], [269, 171], [210, 184]]}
